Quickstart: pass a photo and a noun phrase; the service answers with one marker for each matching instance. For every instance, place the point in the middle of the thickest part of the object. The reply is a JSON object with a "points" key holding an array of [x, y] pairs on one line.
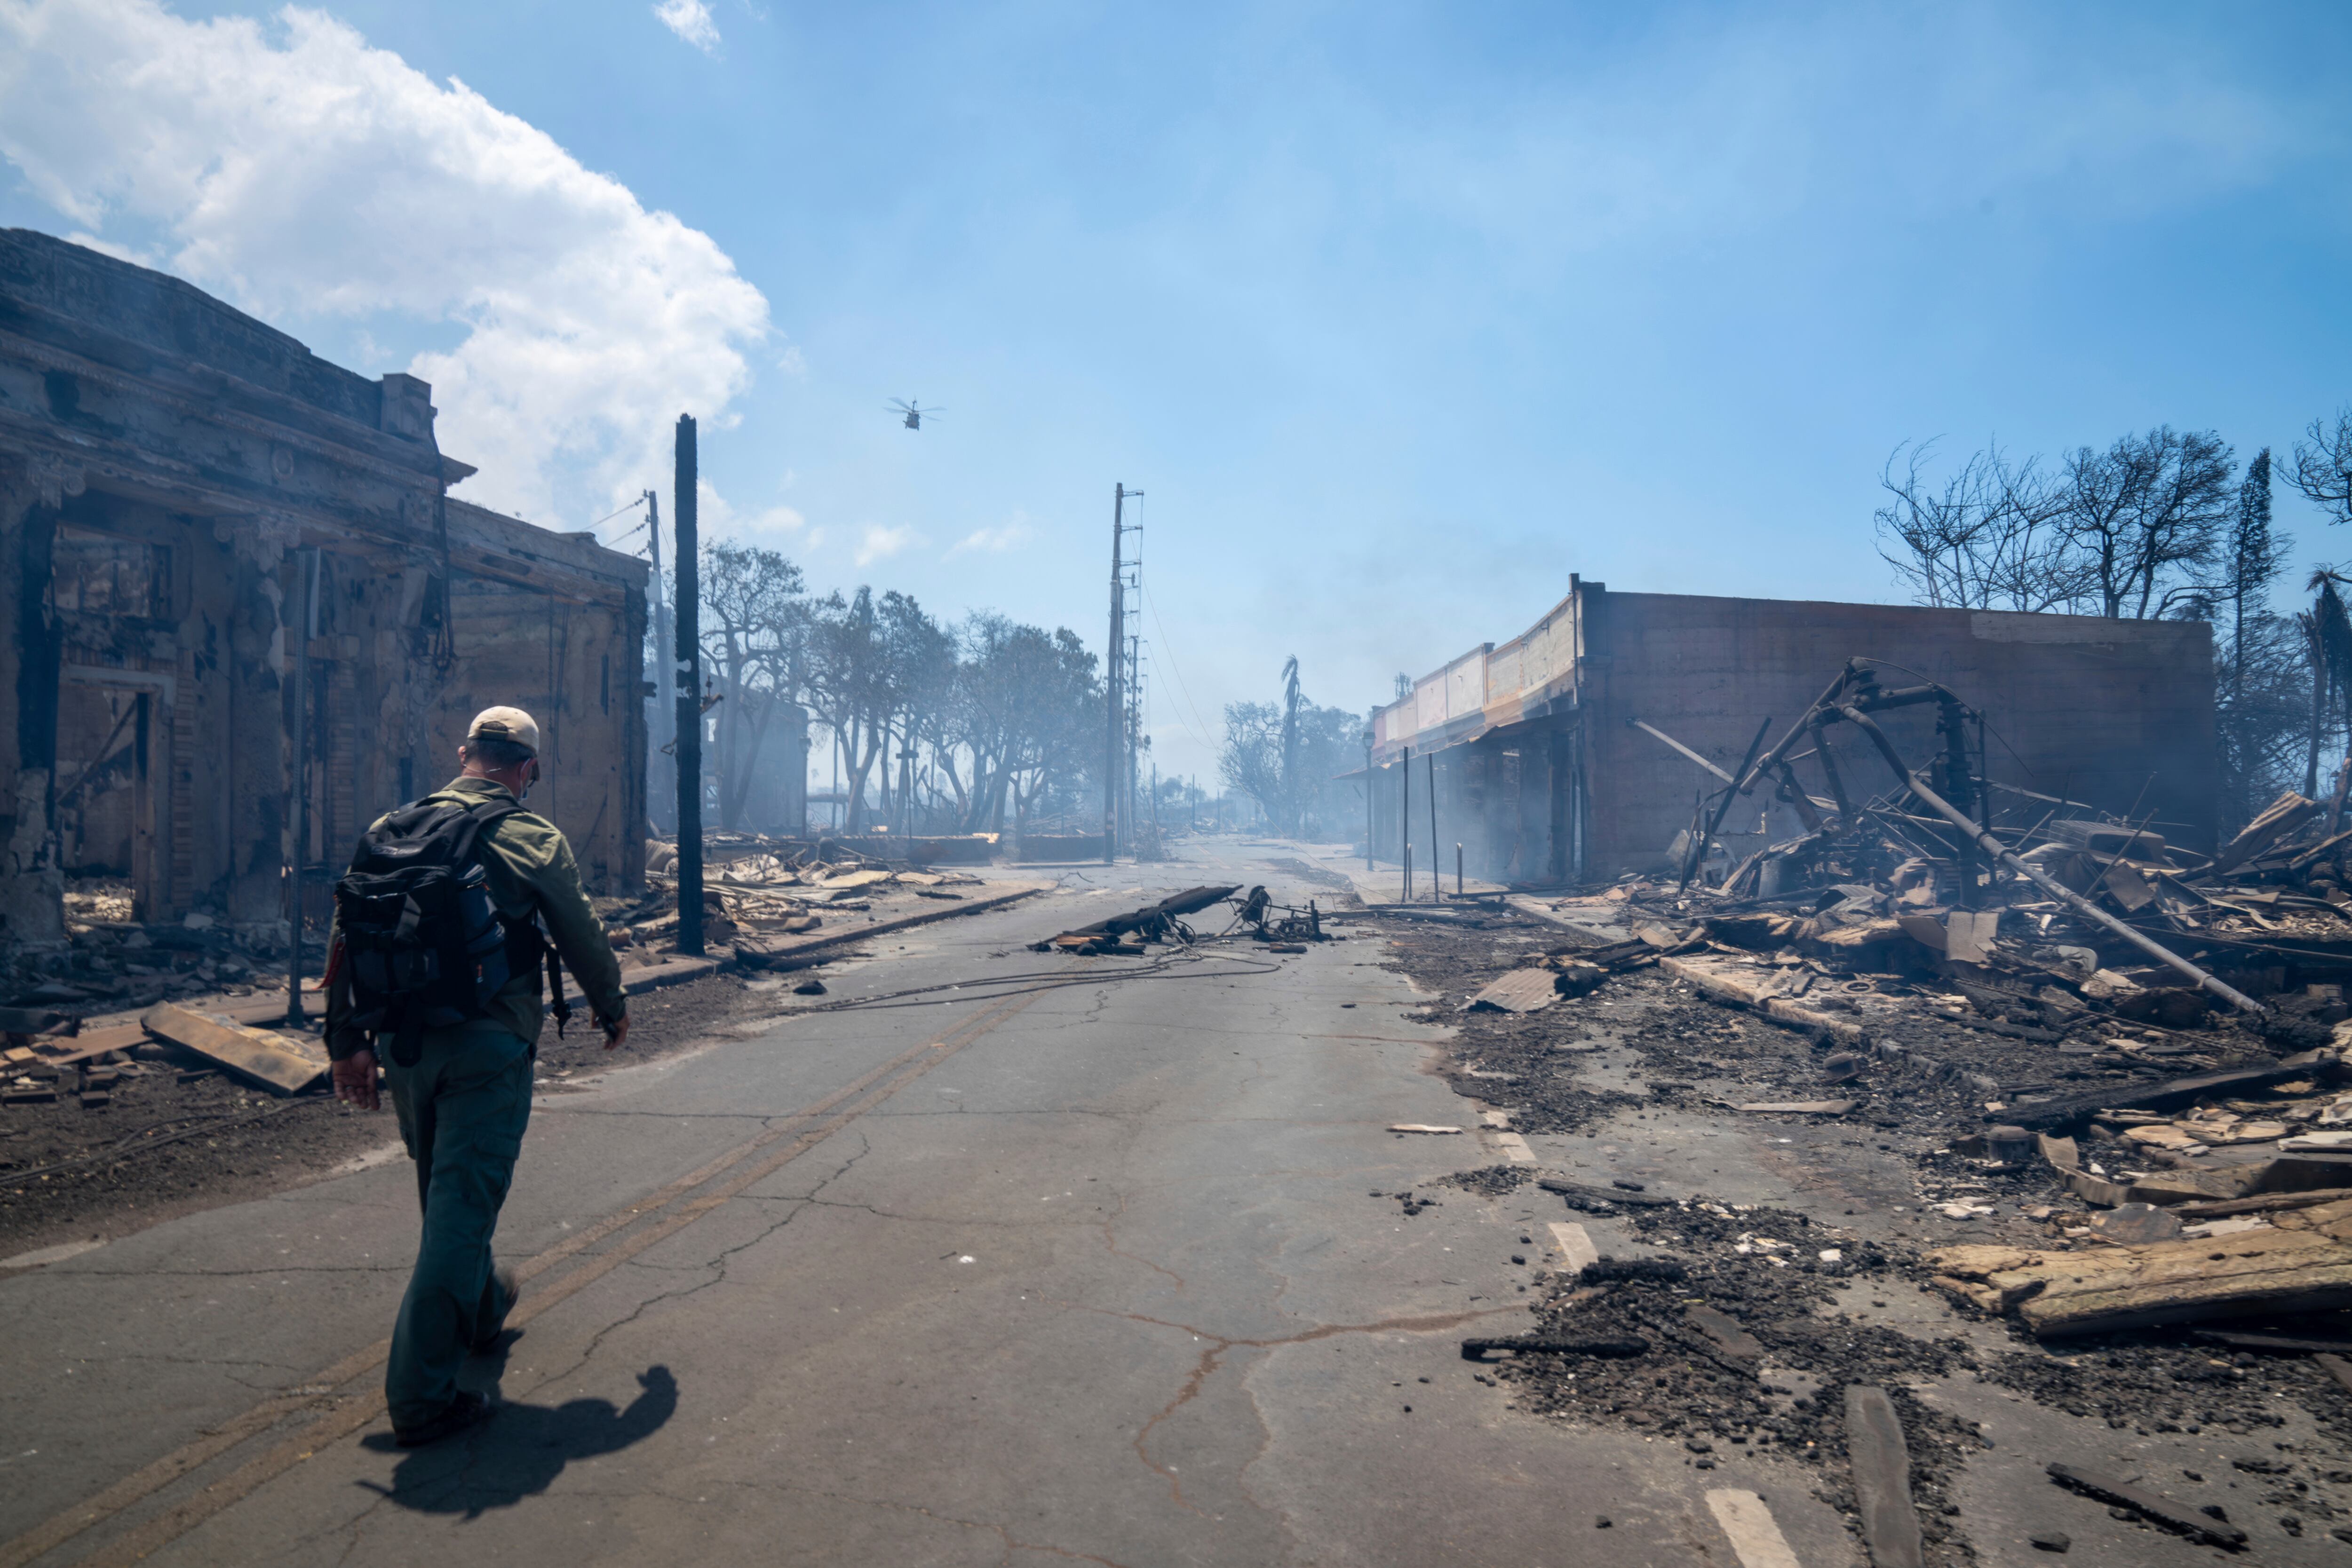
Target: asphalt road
{"points": [[1078, 1261]]}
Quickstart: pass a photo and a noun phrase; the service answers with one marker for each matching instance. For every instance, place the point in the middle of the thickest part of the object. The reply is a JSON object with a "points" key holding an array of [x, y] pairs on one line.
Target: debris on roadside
{"points": [[756, 890], [1126, 934], [1279, 927], [1881, 1462], [2002, 909], [278, 1062], [1519, 991], [1610, 1347], [2163, 1511], [2267, 1271]]}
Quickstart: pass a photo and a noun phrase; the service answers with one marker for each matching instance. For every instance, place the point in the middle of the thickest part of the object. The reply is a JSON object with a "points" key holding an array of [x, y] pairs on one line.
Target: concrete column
{"points": [[256, 745], [32, 886]]}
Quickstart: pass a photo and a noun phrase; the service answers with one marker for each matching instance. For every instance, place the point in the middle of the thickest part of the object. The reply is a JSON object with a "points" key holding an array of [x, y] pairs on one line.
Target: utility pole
{"points": [[688, 579], [1370, 818], [664, 740], [1404, 816], [1436, 871], [1114, 671]]}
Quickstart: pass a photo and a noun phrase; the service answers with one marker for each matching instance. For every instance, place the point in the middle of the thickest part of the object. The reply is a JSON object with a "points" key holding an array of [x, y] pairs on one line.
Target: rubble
{"points": [[1520, 991], [1953, 1110], [2269, 1271], [759, 891], [1280, 927], [1160, 922], [2036, 913], [1882, 1478], [2162, 1509], [278, 1062]]}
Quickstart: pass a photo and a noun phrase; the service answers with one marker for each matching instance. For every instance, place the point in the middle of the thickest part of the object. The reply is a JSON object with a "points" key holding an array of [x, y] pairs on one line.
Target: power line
{"points": [[1198, 725], [610, 516]]}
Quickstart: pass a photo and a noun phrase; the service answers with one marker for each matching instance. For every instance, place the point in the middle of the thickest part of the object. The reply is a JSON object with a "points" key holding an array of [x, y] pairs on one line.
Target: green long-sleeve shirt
{"points": [[528, 863]]}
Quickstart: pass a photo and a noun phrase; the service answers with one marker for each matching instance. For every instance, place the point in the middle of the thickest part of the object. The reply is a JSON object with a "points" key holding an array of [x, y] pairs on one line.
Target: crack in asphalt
{"points": [[718, 1264], [1110, 1243], [1218, 1344]]}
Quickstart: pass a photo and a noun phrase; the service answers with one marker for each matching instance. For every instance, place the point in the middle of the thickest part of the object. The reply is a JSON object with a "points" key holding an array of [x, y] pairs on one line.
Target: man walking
{"points": [[460, 1060]]}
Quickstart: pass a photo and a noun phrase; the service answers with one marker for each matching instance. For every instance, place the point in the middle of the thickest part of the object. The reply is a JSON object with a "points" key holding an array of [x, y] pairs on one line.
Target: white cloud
{"points": [[878, 543], [690, 20], [993, 540], [719, 518], [299, 171]]}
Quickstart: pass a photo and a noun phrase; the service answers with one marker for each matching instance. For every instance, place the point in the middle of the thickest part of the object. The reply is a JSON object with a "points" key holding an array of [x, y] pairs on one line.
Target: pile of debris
{"points": [[112, 963], [2164, 1031], [1126, 934], [2035, 915], [771, 890], [1279, 927]]}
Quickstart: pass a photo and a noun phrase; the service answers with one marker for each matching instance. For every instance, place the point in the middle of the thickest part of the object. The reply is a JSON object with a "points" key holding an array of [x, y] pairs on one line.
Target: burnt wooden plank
{"points": [[2163, 1510], [1882, 1478], [1725, 1331], [2043, 1115], [277, 1063]]}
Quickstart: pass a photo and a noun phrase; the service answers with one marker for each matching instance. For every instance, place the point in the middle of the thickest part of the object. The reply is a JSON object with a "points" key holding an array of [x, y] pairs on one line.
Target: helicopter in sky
{"points": [[914, 412]]}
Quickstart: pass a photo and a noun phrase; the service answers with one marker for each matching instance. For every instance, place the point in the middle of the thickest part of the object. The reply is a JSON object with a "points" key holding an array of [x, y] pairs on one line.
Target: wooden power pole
{"points": [[688, 591]]}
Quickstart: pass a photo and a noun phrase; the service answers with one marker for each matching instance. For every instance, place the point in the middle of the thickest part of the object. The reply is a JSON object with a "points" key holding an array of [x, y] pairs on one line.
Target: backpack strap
{"points": [[528, 935], [478, 817]]}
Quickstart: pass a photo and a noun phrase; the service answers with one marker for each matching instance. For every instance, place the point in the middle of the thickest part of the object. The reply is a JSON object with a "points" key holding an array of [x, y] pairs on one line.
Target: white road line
{"points": [[47, 1255], [1755, 1537], [1575, 1245], [1515, 1148]]}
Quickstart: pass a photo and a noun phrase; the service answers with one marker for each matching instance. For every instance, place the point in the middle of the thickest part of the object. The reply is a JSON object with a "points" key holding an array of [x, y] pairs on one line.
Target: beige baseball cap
{"points": [[505, 723]]}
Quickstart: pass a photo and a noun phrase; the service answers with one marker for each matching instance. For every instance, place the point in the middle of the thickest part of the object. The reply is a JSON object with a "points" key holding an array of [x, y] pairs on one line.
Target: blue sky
{"points": [[1398, 314]]}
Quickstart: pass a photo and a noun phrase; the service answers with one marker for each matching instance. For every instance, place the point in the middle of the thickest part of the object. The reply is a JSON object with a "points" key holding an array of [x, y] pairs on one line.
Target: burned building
{"points": [[1552, 758], [238, 603]]}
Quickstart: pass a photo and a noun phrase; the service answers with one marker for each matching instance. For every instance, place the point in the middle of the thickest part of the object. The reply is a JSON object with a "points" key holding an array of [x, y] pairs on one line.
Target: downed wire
{"points": [[999, 986]]}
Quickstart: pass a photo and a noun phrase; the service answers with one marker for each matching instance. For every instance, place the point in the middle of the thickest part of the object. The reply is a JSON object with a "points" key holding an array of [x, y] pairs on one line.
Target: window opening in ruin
{"points": [[105, 574]]}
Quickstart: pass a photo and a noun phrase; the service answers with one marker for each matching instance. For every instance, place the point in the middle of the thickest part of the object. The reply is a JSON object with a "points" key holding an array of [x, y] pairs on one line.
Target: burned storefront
{"points": [[241, 615], [1581, 749]]}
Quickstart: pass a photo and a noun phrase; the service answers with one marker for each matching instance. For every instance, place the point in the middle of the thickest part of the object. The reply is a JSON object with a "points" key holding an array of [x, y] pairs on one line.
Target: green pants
{"points": [[463, 1108]]}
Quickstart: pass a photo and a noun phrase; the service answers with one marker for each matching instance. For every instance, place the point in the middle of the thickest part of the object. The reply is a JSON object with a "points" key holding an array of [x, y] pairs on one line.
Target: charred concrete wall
{"points": [[1540, 776], [172, 475]]}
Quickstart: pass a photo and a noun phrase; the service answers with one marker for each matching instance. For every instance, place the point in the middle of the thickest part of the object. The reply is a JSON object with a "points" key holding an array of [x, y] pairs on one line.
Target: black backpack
{"points": [[425, 946]]}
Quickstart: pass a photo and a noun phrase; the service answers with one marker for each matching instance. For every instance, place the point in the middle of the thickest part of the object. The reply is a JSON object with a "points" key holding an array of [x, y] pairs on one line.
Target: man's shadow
{"points": [[520, 1451]]}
